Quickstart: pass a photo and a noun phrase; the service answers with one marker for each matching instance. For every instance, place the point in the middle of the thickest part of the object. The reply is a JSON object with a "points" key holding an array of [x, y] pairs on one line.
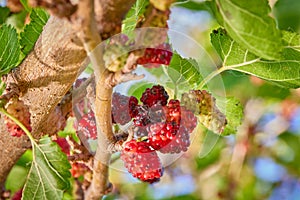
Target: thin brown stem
{"points": [[100, 183], [79, 93], [91, 38]]}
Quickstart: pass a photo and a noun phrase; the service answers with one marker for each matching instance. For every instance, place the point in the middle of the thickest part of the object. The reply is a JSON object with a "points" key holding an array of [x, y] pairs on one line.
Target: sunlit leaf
{"points": [[183, 70], [32, 31], [249, 23], [285, 72], [133, 16], [49, 172], [9, 49], [234, 114]]}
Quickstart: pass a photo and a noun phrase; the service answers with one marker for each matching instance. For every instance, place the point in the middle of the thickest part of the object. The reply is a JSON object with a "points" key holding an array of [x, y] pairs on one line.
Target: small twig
{"points": [[130, 134], [131, 61], [79, 93], [115, 78]]}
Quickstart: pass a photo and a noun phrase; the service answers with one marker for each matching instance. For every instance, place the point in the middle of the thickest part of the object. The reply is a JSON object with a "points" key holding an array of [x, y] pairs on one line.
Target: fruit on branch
{"points": [[87, 125], [173, 111], [159, 125], [79, 169], [203, 104], [141, 161], [173, 136], [155, 95], [123, 108], [64, 145], [141, 116], [161, 134], [141, 131], [21, 112], [166, 126], [154, 57], [179, 143], [188, 119]]}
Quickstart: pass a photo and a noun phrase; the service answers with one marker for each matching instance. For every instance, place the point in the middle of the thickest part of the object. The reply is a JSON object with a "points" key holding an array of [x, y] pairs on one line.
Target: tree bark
{"points": [[42, 79]]}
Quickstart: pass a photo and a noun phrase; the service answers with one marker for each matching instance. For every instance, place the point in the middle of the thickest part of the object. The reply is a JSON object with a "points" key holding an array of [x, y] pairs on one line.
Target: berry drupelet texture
{"points": [[155, 95], [87, 125], [141, 161], [154, 57], [123, 108]]}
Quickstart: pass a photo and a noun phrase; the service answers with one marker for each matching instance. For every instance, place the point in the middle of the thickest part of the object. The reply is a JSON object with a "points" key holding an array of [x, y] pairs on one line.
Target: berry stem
{"points": [[2, 110], [175, 92], [165, 69], [211, 76]]}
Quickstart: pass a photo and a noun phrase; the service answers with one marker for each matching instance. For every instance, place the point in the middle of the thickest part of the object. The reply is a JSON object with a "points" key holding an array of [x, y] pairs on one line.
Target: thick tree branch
{"points": [[42, 80]]}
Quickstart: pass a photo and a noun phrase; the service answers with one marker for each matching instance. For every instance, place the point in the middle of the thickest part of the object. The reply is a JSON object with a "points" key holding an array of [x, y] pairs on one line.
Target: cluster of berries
{"points": [[160, 125]]}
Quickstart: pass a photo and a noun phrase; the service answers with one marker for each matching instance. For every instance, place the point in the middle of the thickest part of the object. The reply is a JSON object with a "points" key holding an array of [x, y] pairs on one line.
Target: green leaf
{"points": [[9, 49], [69, 130], [287, 14], [32, 31], [16, 178], [49, 172], [234, 114], [285, 72], [249, 24], [4, 13], [17, 20], [25, 159], [208, 6], [184, 70], [133, 16]]}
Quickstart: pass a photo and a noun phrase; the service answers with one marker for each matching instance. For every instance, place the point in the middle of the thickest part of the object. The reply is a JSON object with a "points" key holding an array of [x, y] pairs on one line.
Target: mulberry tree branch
{"points": [[41, 81], [86, 25]]}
